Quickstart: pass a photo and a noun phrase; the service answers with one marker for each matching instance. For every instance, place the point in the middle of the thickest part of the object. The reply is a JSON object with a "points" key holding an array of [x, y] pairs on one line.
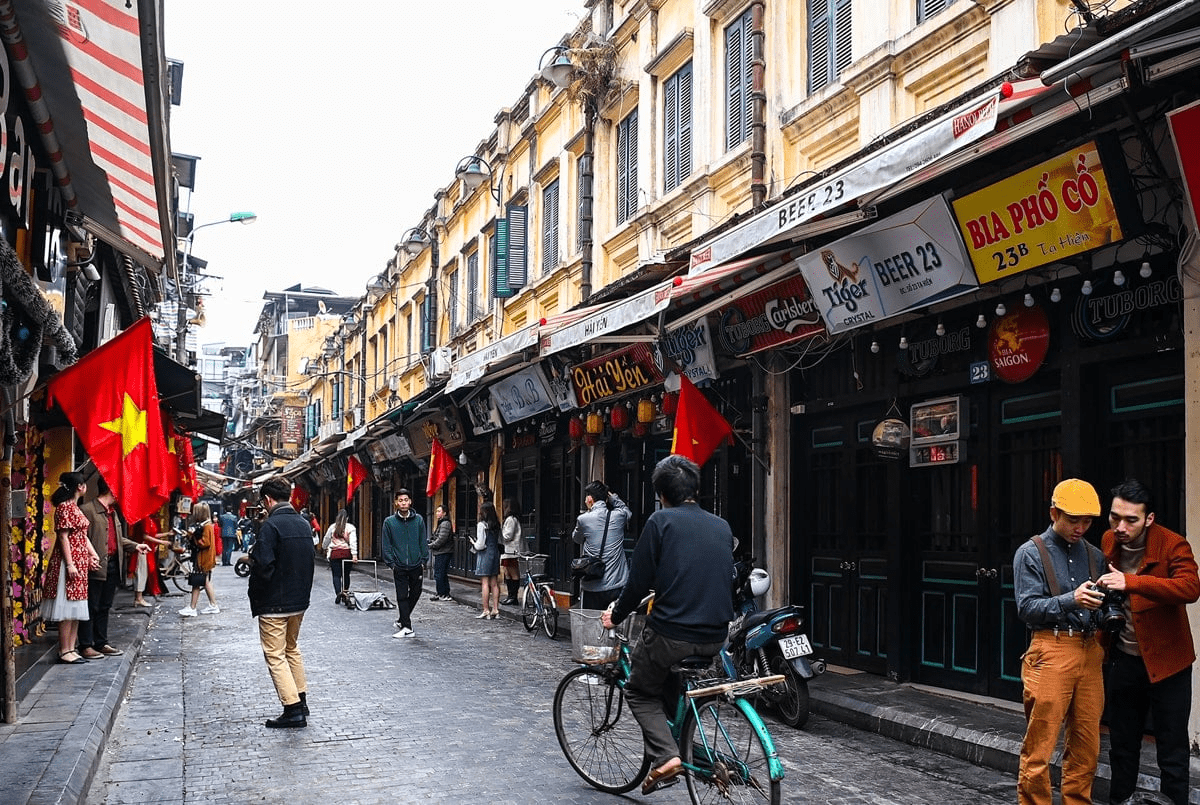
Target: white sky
{"points": [[335, 123]]}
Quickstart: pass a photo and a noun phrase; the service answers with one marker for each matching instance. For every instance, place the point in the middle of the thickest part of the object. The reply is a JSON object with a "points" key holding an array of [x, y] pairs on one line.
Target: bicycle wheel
{"points": [[549, 613], [720, 741], [529, 615], [180, 578], [597, 731]]}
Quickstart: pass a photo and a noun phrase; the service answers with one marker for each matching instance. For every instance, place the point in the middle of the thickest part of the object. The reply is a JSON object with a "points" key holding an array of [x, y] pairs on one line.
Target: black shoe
{"points": [[304, 704], [292, 717], [509, 601]]}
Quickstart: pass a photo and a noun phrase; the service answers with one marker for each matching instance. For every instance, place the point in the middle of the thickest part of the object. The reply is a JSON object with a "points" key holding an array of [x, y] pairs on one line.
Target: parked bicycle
{"points": [[179, 562], [540, 606], [727, 751]]}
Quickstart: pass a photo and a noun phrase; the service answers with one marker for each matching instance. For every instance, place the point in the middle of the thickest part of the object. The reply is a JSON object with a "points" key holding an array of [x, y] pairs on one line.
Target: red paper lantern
{"points": [[575, 428], [640, 429], [670, 402], [620, 417]]}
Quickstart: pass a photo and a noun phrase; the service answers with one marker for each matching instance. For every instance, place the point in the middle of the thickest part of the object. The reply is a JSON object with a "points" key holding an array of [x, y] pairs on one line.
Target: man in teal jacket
{"points": [[405, 551]]}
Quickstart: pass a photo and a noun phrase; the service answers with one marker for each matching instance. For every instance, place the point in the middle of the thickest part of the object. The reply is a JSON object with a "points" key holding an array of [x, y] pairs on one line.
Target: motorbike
{"points": [[773, 641]]}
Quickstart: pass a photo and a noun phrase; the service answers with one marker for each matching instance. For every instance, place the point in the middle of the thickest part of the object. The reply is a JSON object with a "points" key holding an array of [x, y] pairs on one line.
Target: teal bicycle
{"points": [[727, 752]]}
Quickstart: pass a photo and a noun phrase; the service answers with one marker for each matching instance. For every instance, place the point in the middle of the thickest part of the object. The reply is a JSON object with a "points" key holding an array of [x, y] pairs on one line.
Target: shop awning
{"points": [[178, 386], [206, 423], [469, 368], [806, 212], [93, 74]]}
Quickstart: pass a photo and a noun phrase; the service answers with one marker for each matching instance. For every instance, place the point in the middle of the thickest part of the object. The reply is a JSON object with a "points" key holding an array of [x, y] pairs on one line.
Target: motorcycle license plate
{"points": [[795, 646]]}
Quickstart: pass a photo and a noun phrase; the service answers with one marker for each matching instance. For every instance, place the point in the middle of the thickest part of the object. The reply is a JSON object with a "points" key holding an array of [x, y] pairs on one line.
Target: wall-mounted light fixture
{"points": [[473, 171], [1086, 289], [981, 322], [556, 67], [1029, 300], [1118, 278], [1055, 295]]}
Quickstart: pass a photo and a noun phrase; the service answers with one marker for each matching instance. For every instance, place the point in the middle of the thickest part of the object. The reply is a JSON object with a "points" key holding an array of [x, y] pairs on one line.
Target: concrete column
{"points": [[777, 556], [1189, 278]]}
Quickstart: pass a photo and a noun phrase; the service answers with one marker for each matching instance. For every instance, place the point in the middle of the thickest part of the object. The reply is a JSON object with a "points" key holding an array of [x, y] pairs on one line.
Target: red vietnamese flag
{"points": [[187, 465], [111, 399], [356, 473], [441, 467], [699, 428]]}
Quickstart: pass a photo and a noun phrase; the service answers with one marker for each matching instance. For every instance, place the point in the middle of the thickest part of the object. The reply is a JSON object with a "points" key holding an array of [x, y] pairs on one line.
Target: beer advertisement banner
{"points": [[443, 425], [1062, 207], [690, 347], [912, 259], [778, 315]]}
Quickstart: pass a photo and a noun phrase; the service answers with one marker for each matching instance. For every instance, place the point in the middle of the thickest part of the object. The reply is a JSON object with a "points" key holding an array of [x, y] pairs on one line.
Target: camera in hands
{"points": [[1111, 613]]}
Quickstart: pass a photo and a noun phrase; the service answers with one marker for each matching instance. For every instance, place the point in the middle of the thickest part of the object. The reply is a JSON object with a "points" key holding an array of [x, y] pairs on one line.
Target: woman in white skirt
{"points": [[65, 588]]}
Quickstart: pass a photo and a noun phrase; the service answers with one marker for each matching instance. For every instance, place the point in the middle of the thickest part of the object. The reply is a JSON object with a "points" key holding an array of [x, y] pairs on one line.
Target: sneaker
{"points": [[188, 612], [211, 609], [404, 632]]}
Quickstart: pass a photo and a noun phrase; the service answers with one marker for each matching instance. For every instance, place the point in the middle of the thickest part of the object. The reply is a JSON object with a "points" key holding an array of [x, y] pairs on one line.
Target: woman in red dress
{"points": [[65, 588]]}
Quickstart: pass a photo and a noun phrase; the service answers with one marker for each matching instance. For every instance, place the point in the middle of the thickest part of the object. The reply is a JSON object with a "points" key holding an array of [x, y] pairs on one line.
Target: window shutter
{"points": [[685, 122], [550, 227], [452, 307], [518, 248], [818, 44], [472, 286], [739, 52], [927, 8], [842, 49], [671, 133], [492, 245], [627, 167], [500, 258], [579, 204]]}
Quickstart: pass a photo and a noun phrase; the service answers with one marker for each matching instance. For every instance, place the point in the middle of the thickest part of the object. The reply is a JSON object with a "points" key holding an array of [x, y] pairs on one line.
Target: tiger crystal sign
{"points": [[1059, 208]]}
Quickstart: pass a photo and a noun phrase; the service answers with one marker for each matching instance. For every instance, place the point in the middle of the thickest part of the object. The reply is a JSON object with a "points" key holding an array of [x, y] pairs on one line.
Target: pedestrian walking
{"points": [[280, 588], [441, 546], [685, 555], [341, 550], [106, 532], [487, 559], [405, 551], [1061, 671], [204, 556], [65, 588], [1153, 573], [510, 538], [228, 523], [601, 532]]}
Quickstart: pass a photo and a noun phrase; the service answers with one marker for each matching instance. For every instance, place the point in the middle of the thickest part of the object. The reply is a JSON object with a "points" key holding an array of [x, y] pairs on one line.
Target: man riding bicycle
{"points": [[685, 555]]}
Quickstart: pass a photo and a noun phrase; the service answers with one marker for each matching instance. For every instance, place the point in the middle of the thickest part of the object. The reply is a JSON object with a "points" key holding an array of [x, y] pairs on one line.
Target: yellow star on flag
{"points": [[131, 425]]}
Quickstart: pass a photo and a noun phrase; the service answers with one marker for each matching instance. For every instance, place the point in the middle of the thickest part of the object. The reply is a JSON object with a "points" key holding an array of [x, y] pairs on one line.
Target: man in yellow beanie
{"points": [[1062, 670]]}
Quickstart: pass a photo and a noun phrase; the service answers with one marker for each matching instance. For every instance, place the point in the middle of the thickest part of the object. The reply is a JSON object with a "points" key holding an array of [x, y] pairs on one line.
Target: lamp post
{"points": [[184, 275], [413, 242]]}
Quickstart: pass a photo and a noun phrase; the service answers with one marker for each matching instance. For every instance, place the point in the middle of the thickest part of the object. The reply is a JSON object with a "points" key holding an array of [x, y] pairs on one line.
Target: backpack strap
{"points": [[1048, 566]]}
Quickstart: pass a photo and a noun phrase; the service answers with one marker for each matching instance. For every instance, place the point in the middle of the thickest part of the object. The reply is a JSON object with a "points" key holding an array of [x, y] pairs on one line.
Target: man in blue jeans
{"points": [[229, 524], [405, 551]]}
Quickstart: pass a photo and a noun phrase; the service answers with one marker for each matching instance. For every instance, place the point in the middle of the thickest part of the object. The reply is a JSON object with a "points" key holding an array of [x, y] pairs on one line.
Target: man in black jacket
{"points": [[281, 576], [685, 555]]}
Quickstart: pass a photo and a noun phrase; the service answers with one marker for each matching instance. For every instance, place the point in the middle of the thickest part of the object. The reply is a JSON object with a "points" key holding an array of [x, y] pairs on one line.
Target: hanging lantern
{"points": [[670, 401], [620, 417], [575, 428], [591, 440], [645, 411], [640, 429], [595, 424]]}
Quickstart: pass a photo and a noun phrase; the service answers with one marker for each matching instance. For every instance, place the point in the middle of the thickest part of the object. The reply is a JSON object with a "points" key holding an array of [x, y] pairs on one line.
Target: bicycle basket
{"points": [[534, 565], [591, 643]]}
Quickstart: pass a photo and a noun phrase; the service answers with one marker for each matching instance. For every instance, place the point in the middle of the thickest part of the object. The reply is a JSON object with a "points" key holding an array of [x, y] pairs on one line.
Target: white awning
{"points": [[469, 368], [786, 219]]}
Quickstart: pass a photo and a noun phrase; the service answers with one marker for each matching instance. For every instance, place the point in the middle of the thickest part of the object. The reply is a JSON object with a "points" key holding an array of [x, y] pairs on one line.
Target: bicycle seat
{"points": [[696, 662]]}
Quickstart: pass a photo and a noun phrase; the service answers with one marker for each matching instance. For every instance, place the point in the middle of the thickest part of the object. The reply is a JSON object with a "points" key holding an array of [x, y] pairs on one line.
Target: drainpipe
{"points": [[758, 107], [586, 196], [431, 287]]}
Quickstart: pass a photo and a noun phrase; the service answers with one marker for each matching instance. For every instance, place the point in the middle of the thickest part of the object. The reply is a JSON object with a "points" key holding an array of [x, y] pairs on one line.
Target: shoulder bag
{"points": [[590, 568]]}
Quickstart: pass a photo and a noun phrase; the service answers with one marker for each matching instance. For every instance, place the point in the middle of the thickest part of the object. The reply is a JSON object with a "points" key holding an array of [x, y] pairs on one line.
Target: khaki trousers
{"points": [[278, 639], [1064, 683]]}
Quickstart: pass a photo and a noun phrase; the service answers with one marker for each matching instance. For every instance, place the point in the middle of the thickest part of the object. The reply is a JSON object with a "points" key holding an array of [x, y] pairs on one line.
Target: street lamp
{"points": [[558, 69], [474, 171], [184, 271], [414, 242]]}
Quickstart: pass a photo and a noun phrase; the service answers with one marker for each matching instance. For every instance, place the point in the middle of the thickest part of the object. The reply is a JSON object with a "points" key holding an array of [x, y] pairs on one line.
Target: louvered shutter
{"points": [[492, 240], [927, 8], [550, 227], [518, 246], [627, 167], [473, 286], [452, 307], [685, 122], [579, 201], [842, 38], [739, 53], [818, 44], [671, 133], [500, 259]]}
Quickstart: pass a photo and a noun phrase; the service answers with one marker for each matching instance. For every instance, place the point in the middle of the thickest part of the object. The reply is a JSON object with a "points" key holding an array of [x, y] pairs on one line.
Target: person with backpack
{"points": [[441, 546]]}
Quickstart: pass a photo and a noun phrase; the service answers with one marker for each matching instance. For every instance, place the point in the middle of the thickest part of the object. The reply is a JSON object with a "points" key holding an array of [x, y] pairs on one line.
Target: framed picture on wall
{"points": [[937, 421]]}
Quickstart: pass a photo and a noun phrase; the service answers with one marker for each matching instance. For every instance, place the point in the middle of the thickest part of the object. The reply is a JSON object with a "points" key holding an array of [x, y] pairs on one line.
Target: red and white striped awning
{"points": [[99, 109]]}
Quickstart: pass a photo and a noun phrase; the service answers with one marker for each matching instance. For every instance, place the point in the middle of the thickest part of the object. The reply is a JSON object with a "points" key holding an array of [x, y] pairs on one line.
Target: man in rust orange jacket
{"points": [[1149, 664]]}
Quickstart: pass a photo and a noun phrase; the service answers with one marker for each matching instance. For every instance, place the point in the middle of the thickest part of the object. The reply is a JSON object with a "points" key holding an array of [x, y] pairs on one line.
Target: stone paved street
{"points": [[461, 713]]}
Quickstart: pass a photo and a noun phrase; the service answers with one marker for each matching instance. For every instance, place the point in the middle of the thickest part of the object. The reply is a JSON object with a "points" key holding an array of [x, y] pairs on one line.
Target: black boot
{"points": [[292, 716], [304, 704], [513, 585]]}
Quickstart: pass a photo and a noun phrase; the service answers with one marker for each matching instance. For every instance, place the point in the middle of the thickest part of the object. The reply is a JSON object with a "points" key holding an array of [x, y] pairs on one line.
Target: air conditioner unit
{"points": [[358, 417], [439, 362]]}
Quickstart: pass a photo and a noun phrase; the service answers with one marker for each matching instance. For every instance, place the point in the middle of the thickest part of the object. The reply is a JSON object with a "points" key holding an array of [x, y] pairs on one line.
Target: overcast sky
{"points": [[335, 123]]}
